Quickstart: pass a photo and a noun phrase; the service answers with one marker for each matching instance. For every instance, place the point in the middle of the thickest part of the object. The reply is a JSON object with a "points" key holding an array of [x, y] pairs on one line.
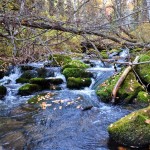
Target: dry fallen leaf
{"points": [[147, 121]]}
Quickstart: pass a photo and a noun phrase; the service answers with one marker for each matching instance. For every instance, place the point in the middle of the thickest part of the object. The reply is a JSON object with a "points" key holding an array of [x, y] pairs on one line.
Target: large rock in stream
{"points": [[143, 70], [3, 91], [127, 92], [133, 129]]}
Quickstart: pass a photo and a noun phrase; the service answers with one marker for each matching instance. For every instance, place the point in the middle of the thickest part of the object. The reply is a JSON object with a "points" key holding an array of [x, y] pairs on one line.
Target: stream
{"points": [[65, 125]]}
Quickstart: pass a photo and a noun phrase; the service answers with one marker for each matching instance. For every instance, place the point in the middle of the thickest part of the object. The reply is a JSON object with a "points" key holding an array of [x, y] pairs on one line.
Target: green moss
{"points": [[45, 83], [143, 69], [3, 91], [76, 72], [128, 90], [76, 64], [143, 97], [115, 51], [136, 49], [28, 89], [105, 89], [22, 80], [59, 60], [132, 130], [104, 54], [78, 83]]}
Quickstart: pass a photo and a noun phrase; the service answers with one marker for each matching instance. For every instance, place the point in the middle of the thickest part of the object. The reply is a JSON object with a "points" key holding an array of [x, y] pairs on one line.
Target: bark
{"points": [[60, 27], [121, 79]]}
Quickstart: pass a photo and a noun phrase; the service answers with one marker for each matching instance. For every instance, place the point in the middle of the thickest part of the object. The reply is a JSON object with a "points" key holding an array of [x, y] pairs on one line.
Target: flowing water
{"points": [[73, 120]]}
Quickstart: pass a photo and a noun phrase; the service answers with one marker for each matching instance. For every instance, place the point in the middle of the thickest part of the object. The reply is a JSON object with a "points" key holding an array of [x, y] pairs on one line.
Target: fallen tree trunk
{"points": [[63, 26], [121, 79]]}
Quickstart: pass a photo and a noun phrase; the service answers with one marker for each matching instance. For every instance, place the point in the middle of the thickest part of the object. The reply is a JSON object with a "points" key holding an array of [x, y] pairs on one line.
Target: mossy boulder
{"points": [[76, 72], [28, 89], [43, 83], [55, 81], [59, 60], [127, 92], [29, 74], [143, 97], [22, 80], [3, 91], [143, 69], [76, 64], [78, 83], [133, 129], [46, 83]]}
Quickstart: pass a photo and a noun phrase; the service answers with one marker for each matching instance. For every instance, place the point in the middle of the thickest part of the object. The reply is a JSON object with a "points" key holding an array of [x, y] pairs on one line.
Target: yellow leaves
{"points": [[131, 89]]}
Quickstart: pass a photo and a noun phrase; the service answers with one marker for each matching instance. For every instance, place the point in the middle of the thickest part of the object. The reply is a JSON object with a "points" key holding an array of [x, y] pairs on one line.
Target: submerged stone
{"points": [[28, 89], [78, 83], [132, 130]]}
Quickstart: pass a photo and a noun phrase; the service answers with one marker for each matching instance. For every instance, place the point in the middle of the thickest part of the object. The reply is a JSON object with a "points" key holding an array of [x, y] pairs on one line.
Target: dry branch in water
{"points": [[121, 79]]}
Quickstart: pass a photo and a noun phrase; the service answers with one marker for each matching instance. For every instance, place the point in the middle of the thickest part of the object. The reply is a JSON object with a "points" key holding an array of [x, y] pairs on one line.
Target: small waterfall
{"points": [[12, 87], [11, 79]]}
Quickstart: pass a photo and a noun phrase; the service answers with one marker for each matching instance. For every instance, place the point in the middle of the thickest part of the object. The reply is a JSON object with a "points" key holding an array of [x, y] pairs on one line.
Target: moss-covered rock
{"points": [[22, 80], [132, 130], [76, 64], [143, 97], [59, 60], [143, 69], [28, 89], [78, 83], [43, 83], [3, 91], [104, 54], [55, 81], [127, 92], [29, 74], [76, 72]]}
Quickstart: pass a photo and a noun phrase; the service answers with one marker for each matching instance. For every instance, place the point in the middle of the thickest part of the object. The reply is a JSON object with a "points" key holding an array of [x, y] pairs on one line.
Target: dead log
{"points": [[60, 26], [121, 79]]}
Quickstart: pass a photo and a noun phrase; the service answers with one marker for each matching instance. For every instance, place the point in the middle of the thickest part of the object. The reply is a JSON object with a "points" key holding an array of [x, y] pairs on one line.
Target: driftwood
{"points": [[121, 79]]}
